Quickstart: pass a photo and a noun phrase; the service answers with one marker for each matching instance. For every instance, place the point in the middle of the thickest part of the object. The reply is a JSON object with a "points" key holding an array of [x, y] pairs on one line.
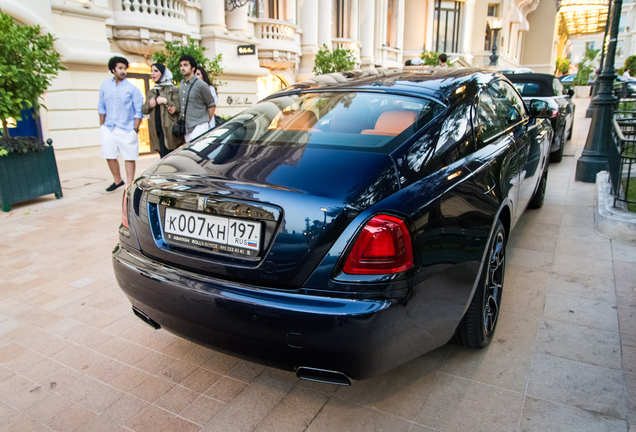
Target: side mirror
{"points": [[539, 109], [571, 92]]}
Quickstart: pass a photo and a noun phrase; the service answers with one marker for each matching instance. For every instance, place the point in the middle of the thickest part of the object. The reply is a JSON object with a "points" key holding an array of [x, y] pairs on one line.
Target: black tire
{"points": [[557, 156], [478, 325], [539, 196]]}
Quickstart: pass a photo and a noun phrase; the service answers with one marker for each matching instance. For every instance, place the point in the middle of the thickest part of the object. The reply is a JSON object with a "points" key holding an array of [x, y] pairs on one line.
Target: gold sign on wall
{"points": [[246, 49]]}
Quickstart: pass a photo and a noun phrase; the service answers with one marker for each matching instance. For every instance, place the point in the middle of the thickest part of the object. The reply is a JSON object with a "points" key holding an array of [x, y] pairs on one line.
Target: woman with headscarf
{"points": [[162, 107]]}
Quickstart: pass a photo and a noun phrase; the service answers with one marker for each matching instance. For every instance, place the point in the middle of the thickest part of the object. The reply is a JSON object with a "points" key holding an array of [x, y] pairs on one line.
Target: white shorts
{"points": [[118, 141], [198, 130]]}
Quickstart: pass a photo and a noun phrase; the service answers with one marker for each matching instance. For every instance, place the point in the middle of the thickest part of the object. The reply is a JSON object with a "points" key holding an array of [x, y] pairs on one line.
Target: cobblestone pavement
{"points": [[73, 356]]}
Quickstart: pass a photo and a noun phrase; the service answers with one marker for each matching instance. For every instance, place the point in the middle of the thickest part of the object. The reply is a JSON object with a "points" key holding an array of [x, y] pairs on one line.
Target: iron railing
{"points": [[622, 154]]}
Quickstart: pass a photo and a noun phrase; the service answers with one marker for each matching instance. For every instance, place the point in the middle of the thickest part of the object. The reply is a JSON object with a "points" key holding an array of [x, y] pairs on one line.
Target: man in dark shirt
{"points": [[197, 104]]}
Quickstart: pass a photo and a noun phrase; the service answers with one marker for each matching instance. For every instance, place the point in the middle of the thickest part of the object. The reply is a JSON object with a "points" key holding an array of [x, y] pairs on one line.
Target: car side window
{"points": [[557, 87], [509, 104], [488, 122]]}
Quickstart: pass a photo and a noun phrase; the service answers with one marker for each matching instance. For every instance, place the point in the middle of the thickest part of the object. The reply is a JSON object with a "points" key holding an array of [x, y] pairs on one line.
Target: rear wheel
{"points": [[539, 196], [478, 325], [557, 156]]}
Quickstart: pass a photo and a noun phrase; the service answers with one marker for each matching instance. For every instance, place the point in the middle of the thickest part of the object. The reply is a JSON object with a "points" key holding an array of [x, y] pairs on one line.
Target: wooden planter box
{"points": [[24, 176]]}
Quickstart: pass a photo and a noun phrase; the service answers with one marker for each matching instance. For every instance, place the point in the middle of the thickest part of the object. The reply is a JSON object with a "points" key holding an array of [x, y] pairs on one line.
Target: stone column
{"points": [[212, 17], [367, 32], [414, 30], [309, 43], [400, 25], [468, 22], [325, 14], [290, 11], [430, 19], [237, 21], [353, 28], [353, 31]]}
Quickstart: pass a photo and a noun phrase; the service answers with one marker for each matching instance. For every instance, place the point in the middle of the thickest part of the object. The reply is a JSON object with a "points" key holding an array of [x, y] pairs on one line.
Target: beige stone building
{"points": [[266, 45]]}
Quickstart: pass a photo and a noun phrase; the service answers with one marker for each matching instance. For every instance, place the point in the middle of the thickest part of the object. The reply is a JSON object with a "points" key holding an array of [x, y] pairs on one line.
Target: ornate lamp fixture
{"points": [[495, 24]]}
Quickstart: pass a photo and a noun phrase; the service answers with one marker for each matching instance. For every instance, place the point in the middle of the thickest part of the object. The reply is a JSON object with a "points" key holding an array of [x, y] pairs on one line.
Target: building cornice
{"points": [[83, 12]]}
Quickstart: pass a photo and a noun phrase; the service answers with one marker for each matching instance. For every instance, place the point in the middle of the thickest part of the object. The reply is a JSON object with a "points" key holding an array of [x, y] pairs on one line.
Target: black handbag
{"points": [[179, 128]]}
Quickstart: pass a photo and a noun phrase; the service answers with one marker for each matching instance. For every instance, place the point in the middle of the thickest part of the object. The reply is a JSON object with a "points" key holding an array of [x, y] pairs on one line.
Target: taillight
{"points": [[555, 112], [383, 247], [124, 209]]}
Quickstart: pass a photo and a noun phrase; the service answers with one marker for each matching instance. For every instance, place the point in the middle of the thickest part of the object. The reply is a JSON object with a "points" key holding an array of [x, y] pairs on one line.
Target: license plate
{"points": [[214, 232]]}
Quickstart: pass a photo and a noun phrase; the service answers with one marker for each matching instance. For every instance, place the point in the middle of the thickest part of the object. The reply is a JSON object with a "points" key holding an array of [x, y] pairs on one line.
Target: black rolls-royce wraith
{"points": [[342, 226]]}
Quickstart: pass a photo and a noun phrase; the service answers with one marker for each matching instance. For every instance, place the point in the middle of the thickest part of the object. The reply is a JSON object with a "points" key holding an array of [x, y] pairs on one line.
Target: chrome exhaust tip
{"points": [[145, 318], [322, 376]]}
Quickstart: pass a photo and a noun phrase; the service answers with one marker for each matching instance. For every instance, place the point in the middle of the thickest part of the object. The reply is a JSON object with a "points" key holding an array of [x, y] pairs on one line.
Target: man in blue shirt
{"points": [[119, 109]]}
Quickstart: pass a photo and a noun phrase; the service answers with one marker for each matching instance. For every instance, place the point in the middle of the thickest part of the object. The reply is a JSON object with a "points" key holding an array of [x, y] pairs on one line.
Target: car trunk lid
{"points": [[260, 217]]}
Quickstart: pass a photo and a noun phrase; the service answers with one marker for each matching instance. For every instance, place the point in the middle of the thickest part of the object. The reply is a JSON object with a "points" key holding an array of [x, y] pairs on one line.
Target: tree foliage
{"points": [[563, 66], [174, 50], [328, 61], [28, 64], [431, 58], [630, 65]]}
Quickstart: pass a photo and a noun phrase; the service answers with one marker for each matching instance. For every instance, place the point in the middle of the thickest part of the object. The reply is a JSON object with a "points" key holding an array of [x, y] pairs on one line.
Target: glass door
{"points": [[142, 82]]}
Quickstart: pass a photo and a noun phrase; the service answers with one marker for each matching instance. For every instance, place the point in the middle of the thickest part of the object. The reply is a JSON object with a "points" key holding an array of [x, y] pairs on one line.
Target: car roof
{"points": [[440, 83], [544, 79], [520, 70]]}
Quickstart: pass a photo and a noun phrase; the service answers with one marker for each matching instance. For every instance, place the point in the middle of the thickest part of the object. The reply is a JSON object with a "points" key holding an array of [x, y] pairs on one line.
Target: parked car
{"points": [[548, 88], [342, 226], [624, 87], [567, 80], [519, 70]]}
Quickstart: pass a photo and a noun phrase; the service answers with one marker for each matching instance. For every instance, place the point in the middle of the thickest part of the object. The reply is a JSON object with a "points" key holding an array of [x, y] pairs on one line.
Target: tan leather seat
{"points": [[392, 123], [297, 120]]}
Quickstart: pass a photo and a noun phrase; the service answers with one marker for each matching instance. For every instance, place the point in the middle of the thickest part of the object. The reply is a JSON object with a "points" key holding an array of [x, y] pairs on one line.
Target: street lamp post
{"points": [[590, 109], [596, 151], [495, 25]]}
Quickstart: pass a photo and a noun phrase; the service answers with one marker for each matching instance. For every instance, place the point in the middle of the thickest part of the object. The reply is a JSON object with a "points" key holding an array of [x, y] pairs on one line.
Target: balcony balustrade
{"points": [[163, 8], [142, 26], [390, 57]]}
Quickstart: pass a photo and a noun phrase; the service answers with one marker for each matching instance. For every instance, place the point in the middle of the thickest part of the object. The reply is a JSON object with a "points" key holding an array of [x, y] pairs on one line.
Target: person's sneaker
{"points": [[114, 186]]}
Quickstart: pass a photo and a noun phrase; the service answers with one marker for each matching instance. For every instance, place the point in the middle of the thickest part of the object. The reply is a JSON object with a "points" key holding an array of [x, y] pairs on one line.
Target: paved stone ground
{"points": [[73, 356]]}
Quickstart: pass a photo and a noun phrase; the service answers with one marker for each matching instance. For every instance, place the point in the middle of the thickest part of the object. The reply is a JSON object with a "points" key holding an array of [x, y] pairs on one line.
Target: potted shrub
{"points": [[27, 65], [583, 73], [329, 61], [27, 170]]}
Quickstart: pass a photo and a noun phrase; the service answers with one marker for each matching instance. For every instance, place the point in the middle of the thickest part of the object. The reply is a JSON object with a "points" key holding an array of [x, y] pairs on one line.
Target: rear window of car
{"points": [[531, 89], [361, 120]]}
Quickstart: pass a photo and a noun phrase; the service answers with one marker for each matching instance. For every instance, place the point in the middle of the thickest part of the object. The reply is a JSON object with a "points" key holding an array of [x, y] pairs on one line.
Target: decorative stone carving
{"points": [[278, 60], [142, 41]]}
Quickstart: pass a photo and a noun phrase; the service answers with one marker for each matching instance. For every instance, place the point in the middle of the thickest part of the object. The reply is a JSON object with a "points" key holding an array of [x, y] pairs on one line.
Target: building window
{"points": [[263, 9], [272, 8], [493, 12], [391, 23], [446, 26], [589, 45], [488, 38], [339, 19]]}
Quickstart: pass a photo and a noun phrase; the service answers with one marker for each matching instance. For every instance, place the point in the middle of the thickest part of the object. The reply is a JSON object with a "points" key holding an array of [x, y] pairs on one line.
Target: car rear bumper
{"points": [[359, 338]]}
